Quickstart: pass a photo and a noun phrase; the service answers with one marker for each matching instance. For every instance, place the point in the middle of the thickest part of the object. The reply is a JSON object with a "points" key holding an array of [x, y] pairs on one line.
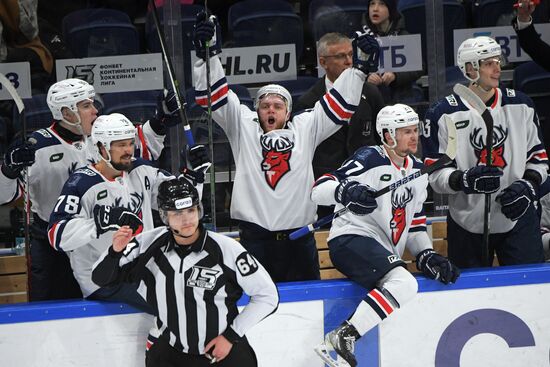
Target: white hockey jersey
{"points": [[72, 227], [516, 147], [274, 171], [56, 158], [399, 213]]}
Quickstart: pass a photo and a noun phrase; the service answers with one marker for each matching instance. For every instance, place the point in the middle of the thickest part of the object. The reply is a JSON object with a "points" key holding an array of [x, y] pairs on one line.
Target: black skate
{"points": [[342, 341]]}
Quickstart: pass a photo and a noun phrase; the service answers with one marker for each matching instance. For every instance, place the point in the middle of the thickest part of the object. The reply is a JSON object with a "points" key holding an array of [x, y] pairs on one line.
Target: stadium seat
{"points": [[267, 22], [453, 75], [533, 80], [100, 32], [188, 16], [454, 17], [136, 106], [299, 86], [343, 16], [490, 13], [37, 114]]}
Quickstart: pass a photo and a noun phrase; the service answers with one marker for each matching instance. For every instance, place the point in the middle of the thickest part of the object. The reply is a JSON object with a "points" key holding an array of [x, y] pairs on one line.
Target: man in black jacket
{"points": [[335, 56], [529, 39]]}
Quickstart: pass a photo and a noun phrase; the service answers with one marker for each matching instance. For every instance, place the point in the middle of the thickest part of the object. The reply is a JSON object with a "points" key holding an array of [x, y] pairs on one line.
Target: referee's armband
{"points": [[231, 335]]}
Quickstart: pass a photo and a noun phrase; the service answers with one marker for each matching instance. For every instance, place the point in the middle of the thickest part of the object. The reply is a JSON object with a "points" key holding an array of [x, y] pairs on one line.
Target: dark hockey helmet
{"points": [[177, 194]]}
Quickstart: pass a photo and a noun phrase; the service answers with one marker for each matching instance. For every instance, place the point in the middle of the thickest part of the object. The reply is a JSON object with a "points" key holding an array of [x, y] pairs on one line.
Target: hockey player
{"points": [[58, 151], [367, 242], [98, 199], [186, 270], [273, 155], [519, 164]]}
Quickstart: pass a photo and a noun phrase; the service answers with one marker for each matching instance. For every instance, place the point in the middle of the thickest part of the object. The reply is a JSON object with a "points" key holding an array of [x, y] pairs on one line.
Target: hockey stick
{"points": [[450, 154], [26, 195], [180, 100], [477, 104], [209, 124]]}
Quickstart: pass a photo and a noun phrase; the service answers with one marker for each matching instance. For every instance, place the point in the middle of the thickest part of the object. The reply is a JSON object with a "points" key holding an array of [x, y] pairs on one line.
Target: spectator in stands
{"points": [[20, 42], [335, 56], [273, 155], [519, 165], [384, 20], [208, 272], [367, 242], [529, 39]]}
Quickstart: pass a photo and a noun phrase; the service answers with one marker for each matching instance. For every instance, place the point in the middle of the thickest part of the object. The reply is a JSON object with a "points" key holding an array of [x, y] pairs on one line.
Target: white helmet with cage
{"points": [[475, 49], [274, 89], [391, 118], [67, 93], [109, 128]]}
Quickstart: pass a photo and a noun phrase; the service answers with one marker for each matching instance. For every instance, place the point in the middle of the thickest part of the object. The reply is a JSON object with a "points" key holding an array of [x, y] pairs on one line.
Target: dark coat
{"points": [[530, 42]]}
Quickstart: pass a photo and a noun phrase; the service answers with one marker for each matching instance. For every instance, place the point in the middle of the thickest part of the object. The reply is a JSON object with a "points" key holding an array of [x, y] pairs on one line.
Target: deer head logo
{"points": [[399, 201], [276, 152], [499, 137]]}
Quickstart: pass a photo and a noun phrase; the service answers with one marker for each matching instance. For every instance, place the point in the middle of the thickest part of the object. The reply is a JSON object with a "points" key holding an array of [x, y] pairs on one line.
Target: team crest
{"points": [[399, 201], [135, 206], [499, 137], [202, 277], [276, 162]]}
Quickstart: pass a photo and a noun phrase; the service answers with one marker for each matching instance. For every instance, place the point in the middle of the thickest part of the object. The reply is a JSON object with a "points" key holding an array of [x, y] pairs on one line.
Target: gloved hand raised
{"points": [[480, 180], [366, 52], [438, 267], [200, 163], [205, 31], [167, 111], [110, 218], [19, 155], [516, 198], [358, 198]]}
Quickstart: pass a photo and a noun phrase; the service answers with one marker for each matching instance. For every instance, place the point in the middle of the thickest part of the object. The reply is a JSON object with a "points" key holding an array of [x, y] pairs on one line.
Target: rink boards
{"points": [[499, 317]]}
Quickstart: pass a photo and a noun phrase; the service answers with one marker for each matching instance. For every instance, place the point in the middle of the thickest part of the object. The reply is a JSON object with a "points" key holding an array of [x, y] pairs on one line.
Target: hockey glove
{"points": [[480, 180], [438, 267], [110, 218], [366, 52], [516, 198], [205, 31], [19, 155], [167, 108], [358, 198]]}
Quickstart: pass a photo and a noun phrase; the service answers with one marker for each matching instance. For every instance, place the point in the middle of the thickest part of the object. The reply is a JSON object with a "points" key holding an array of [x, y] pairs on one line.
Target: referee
{"points": [[193, 279]]}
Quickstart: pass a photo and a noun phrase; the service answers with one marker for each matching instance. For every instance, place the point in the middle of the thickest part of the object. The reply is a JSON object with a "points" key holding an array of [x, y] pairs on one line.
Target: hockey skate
{"points": [[342, 341]]}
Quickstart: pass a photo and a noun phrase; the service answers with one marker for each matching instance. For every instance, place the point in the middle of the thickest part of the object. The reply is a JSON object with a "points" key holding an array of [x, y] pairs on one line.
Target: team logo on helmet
{"points": [[499, 137], [276, 163], [399, 201]]}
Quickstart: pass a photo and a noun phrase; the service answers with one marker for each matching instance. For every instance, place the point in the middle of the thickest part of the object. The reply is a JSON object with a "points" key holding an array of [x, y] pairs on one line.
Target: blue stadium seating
{"points": [[343, 16], [100, 32], [137, 106], [454, 17], [37, 114], [266, 22], [489, 13], [298, 86]]}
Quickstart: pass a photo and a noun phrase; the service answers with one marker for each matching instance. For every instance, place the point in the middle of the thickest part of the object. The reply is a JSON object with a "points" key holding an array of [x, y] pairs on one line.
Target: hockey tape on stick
{"points": [[179, 99], [477, 105], [450, 154]]}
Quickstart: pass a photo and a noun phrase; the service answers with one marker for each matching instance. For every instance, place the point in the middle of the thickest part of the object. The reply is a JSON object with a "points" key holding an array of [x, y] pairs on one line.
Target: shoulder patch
{"points": [[510, 92], [452, 100], [246, 264], [45, 133], [85, 171]]}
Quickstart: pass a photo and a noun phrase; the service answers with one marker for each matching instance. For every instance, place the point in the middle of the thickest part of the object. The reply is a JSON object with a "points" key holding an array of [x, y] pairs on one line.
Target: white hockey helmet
{"points": [[109, 128], [475, 49], [274, 89], [67, 93], [391, 118]]}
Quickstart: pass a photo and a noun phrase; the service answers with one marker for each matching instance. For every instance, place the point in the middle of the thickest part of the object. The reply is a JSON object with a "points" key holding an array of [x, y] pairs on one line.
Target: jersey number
{"points": [[71, 204], [354, 167], [246, 264]]}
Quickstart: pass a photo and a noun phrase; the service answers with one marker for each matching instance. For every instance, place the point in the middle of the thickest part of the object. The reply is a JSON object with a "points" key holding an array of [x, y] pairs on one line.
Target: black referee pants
{"points": [[162, 354]]}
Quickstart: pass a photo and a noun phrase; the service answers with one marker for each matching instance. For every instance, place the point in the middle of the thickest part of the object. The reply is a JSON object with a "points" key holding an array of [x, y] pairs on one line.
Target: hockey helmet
{"points": [[391, 118], [475, 49], [67, 93], [274, 89], [177, 194], [113, 127]]}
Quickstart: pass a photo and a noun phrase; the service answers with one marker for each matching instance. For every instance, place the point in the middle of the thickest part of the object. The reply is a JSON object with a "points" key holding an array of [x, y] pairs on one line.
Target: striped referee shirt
{"points": [[194, 289]]}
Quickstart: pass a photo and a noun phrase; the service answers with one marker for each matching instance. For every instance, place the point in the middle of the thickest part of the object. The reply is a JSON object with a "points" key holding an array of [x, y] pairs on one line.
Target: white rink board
{"points": [[410, 337], [285, 338]]}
